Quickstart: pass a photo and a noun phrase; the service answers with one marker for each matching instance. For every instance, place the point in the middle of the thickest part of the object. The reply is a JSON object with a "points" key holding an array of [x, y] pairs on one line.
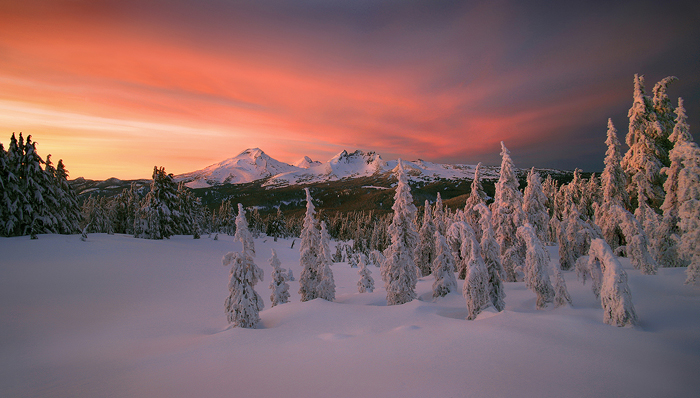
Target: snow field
{"points": [[118, 316]]}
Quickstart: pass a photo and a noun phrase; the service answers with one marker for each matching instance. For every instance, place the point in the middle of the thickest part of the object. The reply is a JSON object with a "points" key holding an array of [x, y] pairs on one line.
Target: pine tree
{"points": [[508, 216], [536, 260], [326, 284], [439, 215], [309, 253], [399, 270], [689, 206], [158, 216], [443, 268], [645, 155], [68, 201], [491, 254], [615, 295], [534, 205], [476, 196], [475, 289], [613, 182], [425, 251], [637, 245], [366, 282], [278, 285], [561, 293], [243, 305]]}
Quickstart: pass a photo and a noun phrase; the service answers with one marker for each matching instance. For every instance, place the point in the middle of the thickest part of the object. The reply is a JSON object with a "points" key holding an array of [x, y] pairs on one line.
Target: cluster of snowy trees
{"points": [[35, 195], [167, 209]]}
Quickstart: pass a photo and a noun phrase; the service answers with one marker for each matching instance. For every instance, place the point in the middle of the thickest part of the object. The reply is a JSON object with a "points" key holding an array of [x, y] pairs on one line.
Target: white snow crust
{"points": [[121, 317]]}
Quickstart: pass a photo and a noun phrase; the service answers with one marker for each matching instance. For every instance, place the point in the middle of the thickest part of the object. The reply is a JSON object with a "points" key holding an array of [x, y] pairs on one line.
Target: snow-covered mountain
{"points": [[253, 164], [250, 165]]}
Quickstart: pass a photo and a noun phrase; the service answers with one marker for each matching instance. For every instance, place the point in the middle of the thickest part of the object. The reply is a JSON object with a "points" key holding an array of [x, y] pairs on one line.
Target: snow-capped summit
{"points": [[306, 163], [250, 165]]}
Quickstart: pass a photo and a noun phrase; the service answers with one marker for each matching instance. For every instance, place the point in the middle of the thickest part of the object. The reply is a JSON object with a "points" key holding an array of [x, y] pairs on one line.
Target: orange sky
{"points": [[114, 88]]}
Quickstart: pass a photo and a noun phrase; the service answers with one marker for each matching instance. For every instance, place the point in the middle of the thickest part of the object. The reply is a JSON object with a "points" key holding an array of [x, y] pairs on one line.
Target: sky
{"points": [[116, 87]]}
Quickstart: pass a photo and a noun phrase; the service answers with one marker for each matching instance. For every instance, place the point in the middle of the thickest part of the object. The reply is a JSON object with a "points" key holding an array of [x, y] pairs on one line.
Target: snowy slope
{"points": [[254, 164], [121, 317]]}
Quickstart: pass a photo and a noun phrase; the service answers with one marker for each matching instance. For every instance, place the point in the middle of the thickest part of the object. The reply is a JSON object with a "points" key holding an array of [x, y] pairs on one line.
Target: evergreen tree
{"points": [[476, 196], [439, 215], [534, 205], [637, 245], [243, 305], [508, 216], [399, 270], [68, 201], [475, 289], [491, 255], [645, 155], [443, 268], [278, 285], [689, 206], [664, 116], [309, 253], [561, 293], [326, 284], [536, 260], [158, 216], [613, 182], [366, 282], [425, 251]]}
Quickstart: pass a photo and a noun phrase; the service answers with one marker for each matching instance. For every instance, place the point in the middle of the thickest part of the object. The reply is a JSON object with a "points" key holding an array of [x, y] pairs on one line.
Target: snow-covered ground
{"points": [[118, 316]]}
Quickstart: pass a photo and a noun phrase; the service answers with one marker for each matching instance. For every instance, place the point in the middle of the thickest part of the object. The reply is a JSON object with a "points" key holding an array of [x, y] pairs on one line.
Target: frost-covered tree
{"points": [[443, 268], [536, 261], [491, 255], [399, 272], [326, 283], [278, 285], [508, 215], [439, 215], [561, 293], [637, 245], [425, 251], [475, 289], [664, 114], [689, 206], [535, 205], [615, 295], [667, 238], [645, 155], [309, 253], [613, 179], [243, 305], [366, 282], [476, 196]]}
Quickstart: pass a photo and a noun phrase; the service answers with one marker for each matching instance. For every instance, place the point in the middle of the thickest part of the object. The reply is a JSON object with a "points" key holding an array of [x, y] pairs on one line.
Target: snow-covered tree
{"points": [[534, 205], [613, 179], [476, 196], [366, 282], [439, 215], [326, 283], [615, 295], [508, 215], [159, 216], [491, 255], [475, 289], [425, 251], [309, 253], [689, 206], [561, 293], [645, 155], [278, 285], [243, 305], [536, 261], [399, 271], [637, 245], [443, 268]]}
